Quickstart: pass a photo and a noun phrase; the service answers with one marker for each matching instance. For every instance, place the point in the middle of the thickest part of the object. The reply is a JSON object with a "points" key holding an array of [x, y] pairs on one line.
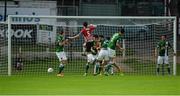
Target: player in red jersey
{"points": [[88, 39], [87, 34]]}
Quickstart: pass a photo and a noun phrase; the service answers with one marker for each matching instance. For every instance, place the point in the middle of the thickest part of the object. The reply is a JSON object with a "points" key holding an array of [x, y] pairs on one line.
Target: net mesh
{"points": [[33, 42], [3, 49]]}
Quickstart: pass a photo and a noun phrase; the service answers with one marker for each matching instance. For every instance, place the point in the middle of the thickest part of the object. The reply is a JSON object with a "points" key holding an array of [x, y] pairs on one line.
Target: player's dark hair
{"points": [[101, 36], [95, 36], [61, 32], [85, 24], [108, 38], [164, 36], [122, 30]]}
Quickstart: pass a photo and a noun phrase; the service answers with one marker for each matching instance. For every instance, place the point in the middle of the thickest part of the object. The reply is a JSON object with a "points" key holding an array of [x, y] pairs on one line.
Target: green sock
{"points": [[106, 68], [61, 67], [158, 69], [97, 67], [169, 71], [109, 68], [100, 69], [87, 67]]}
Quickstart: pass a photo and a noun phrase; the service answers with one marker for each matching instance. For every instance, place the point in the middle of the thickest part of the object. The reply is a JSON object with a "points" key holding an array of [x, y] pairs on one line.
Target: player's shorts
{"points": [[89, 45], [91, 58], [61, 55], [162, 60], [103, 55], [19, 64], [112, 53]]}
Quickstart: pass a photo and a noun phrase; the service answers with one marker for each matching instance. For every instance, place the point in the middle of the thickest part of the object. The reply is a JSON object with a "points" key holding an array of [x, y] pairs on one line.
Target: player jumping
{"points": [[88, 39]]}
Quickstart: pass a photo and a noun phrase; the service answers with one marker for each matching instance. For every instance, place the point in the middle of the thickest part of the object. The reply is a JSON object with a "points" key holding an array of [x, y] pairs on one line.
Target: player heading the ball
{"points": [[87, 31]]}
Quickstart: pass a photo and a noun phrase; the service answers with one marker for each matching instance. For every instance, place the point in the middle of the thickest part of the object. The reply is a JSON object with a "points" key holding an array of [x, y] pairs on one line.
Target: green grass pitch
{"points": [[90, 85], [99, 85], [27, 83]]}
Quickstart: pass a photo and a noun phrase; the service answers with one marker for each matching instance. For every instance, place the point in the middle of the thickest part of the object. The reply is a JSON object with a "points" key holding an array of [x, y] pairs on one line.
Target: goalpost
{"points": [[32, 38]]}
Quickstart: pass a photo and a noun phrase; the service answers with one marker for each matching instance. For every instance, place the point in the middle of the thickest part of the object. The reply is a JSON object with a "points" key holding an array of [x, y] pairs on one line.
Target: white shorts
{"points": [[162, 60], [91, 58], [112, 53], [103, 55], [61, 56]]}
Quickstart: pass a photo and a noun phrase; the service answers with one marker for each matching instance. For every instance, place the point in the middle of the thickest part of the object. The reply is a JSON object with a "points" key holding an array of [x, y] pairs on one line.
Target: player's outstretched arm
{"points": [[75, 37], [68, 41]]}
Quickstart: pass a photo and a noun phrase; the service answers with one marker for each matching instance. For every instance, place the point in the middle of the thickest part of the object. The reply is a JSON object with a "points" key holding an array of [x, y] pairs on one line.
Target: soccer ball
{"points": [[50, 70]]}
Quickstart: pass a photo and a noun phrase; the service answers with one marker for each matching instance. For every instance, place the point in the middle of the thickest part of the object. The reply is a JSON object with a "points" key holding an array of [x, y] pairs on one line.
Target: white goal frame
{"points": [[94, 17]]}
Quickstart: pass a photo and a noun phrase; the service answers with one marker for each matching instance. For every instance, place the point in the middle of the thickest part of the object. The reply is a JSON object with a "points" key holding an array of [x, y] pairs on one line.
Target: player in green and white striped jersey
{"points": [[162, 48]]}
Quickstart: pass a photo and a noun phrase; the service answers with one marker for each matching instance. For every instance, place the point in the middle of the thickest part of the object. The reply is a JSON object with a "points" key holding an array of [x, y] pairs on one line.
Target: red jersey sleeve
{"points": [[83, 30], [91, 28]]}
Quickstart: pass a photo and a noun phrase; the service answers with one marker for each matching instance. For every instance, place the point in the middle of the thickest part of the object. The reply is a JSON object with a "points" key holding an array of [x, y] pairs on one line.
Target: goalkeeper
{"points": [[113, 43], [162, 48], [60, 43]]}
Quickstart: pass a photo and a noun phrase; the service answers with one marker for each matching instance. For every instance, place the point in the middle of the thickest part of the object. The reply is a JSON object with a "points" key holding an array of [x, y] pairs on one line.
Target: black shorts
{"points": [[89, 45]]}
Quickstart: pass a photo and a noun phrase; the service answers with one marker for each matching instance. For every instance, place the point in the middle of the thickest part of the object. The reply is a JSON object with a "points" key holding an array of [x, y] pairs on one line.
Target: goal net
{"points": [[32, 41], [3, 49]]}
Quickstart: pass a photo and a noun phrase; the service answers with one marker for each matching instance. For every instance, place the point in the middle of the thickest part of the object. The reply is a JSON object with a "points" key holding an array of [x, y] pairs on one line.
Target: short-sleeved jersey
{"points": [[59, 38], [104, 45], [112, 43], [87, 33], [94, 50], [163, 47], [102, 41]]}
